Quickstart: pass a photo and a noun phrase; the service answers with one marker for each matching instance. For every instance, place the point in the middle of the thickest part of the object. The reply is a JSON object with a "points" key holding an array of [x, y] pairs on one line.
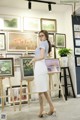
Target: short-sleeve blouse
{"points": [[45, 46]]}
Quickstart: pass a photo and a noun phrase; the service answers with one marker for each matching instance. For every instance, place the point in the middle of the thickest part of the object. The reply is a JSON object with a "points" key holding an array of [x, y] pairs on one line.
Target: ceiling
{"points": [[22, 4]]}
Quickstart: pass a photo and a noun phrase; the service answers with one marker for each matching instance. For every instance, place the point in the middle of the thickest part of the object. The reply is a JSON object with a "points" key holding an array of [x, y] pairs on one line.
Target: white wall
{"points": [[64, 25]]}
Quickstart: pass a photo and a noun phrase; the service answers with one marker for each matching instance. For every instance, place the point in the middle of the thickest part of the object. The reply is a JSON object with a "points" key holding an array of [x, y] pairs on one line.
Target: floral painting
{"points": [[18, 41], [6, 67]]}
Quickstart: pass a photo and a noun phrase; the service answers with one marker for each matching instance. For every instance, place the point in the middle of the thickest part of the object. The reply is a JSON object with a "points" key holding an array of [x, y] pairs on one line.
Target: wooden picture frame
{"points": [[60, 40], [26, 70], [15, 56], [53, 65], [18, 41], [6, 67], [16, 94], [2, 41], [11, 22], [32, 24], [49, 24], [77, 60]]}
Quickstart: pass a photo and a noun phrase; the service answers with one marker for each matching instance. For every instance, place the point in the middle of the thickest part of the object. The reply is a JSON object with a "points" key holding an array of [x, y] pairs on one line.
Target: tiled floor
{"points": [[69, 110]]}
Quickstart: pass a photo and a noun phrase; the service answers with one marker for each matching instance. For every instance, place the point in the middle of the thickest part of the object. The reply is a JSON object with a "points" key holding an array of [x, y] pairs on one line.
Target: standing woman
{"points": [[41, 73]]}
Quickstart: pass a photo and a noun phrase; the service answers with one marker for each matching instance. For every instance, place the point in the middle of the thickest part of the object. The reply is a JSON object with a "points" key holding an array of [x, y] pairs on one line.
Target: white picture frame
{"points": [[32, 24], [11, 22], [53, 65]]}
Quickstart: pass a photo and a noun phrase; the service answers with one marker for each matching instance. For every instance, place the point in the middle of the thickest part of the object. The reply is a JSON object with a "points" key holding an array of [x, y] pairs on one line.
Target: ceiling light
{"points": [[49, 7], [29, 5]]}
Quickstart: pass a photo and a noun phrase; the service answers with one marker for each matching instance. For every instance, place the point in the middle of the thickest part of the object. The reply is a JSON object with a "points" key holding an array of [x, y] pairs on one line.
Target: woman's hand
{"points": [[33, 60]]}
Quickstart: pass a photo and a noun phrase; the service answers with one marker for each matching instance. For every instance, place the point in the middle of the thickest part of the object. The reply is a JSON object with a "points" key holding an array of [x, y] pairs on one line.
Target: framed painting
{"points": [[77, 42], [77, 34], [6, 67], [48, 24], [76, 27], [77, 61], [51, 39], [53, 65], [60, 40], [18, 41], [26, 70], [3, 116], [2, 41], [32, 24], [16, 94], [77, 51], [15, 56], [11, 22], [53, 52]]}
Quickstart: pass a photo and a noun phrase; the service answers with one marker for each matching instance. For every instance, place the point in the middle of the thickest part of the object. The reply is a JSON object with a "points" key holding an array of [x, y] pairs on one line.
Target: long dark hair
{"points": [[47, 38]]}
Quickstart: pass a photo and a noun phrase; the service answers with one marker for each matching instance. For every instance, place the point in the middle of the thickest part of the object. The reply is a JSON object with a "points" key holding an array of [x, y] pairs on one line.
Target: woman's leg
{"points": [[49, 101], [41, 102]]}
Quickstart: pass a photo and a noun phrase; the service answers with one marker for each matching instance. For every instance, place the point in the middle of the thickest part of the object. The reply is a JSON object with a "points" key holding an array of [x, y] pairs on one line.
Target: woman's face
{"points": [[42, 36]]}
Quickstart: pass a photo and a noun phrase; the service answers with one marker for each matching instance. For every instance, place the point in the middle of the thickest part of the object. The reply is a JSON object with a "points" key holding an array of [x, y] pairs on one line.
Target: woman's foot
{"points": [[51, 112], [42, 114]]}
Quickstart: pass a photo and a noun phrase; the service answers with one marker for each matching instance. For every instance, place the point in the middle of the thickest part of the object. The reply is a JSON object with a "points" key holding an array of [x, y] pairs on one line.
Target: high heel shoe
{"points": [[51, 112], [42, 114]]}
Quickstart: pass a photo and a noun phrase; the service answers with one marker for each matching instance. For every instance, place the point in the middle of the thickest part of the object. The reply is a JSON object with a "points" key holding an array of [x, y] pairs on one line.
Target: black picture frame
{"points": [[6, 67], [60, 40], [77, 61]]}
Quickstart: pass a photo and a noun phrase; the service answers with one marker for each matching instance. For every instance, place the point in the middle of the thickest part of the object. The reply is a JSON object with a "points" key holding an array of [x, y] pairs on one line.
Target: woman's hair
{"points": [[47, 38]]}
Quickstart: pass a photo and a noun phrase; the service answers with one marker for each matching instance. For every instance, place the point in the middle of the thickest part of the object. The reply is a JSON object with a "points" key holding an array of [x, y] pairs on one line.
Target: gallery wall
{"points": [[64, 26]]}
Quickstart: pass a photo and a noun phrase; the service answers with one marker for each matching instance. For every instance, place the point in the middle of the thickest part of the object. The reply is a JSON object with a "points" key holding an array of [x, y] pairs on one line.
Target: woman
{"points": [[40, 71]]}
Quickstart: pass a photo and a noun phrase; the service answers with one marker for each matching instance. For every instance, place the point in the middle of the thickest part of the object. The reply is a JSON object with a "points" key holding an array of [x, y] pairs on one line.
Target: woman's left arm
{"points": [[42, 56]]}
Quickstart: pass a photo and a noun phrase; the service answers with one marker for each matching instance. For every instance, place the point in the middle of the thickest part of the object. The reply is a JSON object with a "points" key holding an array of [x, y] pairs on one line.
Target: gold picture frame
{"points": [[49, 24], [22, 41]]}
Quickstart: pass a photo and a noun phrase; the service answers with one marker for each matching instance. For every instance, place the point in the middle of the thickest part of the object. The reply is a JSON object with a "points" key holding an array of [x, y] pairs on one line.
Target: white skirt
{"points": [[41, 76]]}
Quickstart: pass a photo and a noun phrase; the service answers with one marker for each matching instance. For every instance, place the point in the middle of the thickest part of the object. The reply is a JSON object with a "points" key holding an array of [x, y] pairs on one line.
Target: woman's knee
{"points": [[40, 94]]}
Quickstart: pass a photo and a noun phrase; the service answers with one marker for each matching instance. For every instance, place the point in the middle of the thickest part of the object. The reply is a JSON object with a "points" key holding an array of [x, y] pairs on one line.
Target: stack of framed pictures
{"points": [[76, 41], [77, 44], [16, 94]]}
